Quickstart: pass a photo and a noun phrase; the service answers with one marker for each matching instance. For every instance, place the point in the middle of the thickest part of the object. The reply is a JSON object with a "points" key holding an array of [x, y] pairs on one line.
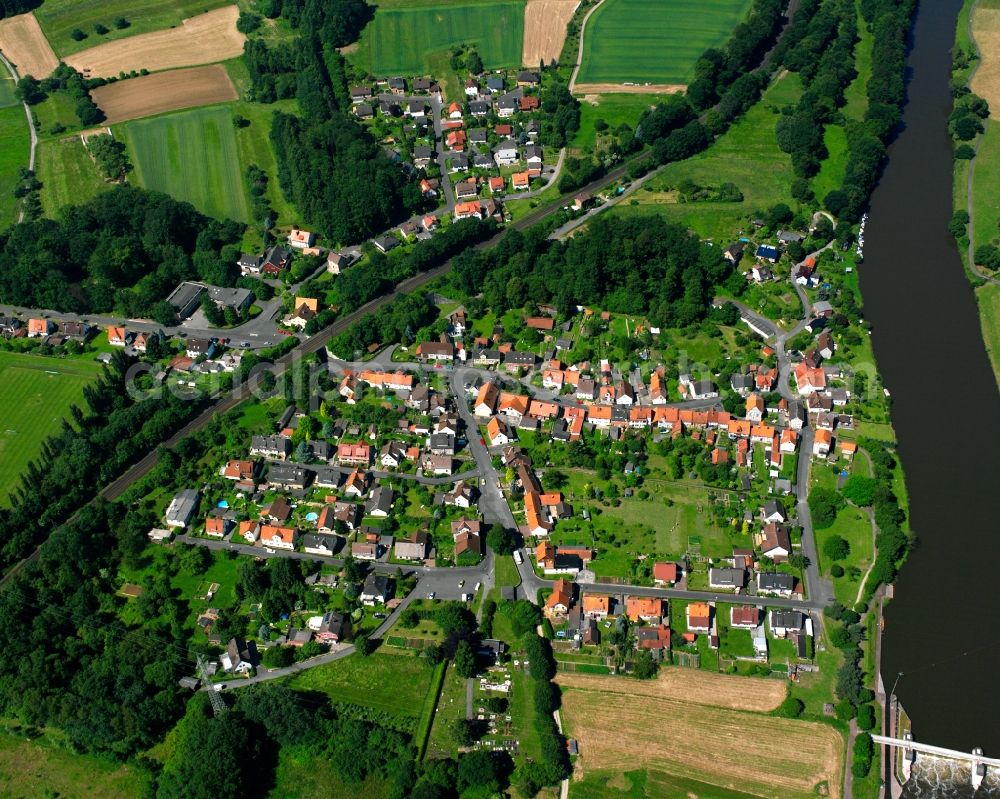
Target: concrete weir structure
{"points": [[981, 766]]}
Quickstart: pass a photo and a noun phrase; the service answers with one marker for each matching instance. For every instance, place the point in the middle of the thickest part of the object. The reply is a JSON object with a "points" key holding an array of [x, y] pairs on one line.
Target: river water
{"points": [[943, 629]]}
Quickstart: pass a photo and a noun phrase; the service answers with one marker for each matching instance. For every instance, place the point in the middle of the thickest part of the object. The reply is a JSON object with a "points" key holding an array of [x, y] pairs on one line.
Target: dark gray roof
{"points": [[775, 581]]}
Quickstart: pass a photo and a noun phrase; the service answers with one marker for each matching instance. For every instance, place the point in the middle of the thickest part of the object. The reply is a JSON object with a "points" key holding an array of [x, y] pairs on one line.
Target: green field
{"points": [[7, 97], [35, 394], [747, 155], [402, 40], [654, 41], [615, 109], [989, 312], [38, 770], [392, 683], [59, 17], [68, 175], [191, 155], [13, 156]]}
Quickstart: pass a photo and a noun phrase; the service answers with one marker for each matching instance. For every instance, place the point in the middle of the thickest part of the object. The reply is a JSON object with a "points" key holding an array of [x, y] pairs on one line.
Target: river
{"points": [[943, 629]]}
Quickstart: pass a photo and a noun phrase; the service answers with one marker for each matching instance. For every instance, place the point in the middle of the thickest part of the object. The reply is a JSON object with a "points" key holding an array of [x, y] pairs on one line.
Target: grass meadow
{"points": [[13, 156], [58, 18], [35, 395], [402, 40], [654, 41], [747, 155], [193, 156], [615, 109], [39, 770], [7, 97], [68, 175]]}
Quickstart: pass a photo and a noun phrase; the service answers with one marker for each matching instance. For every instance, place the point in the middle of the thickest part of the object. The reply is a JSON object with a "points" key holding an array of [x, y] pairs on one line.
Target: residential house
{"points": [[822, 443], [358, 454], [436, 351], [558, 603], [744, 617], [249, 531], [439, 465], [468, 544], [198, 347], [505, 153], [527, 78], [756, 410], [315, 544], [288, 476], [520, 181], [39, 328], [239, 470], [301, 239], [785, 622], [697, 389], [775, 583], [240, 656], [768, 253], [775, 542], [117, 337], [644, 608], [365, 550], [278, 511], [276, 537], [357, 484], [666, 573], [413, 547], [486, 400], [381, 501], [216, 526], [385, 243], [655, 640], [334, 628], [376, 590], [498, 432], [596, 606], [699, 617], [809, 380], [727, 578], [774, 511], [461, 496]]}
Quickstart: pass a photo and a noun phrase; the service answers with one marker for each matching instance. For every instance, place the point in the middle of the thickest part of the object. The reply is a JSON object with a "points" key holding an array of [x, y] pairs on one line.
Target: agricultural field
{"points": [[747, 155], [986, 33], [7, 97], [729, 750], [25, 46], [988, 297], [403, 39], [193, 156], [653, 41], [36, 393], [545, 29], [39, 770], [699, 687], [163, 92], [67, 173], [203, 39], [58, 18]]}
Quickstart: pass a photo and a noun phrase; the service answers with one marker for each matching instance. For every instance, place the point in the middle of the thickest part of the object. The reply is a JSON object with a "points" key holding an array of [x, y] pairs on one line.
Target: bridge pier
{"points": [[909, 757], [978, 767]]}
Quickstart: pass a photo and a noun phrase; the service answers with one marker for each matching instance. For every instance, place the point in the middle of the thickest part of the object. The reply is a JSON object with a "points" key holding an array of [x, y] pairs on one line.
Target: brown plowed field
{"points": [[164, 91], [624, 88], [689, 685], [766, 756], [199, 40], [25, 46], [545, 29]]}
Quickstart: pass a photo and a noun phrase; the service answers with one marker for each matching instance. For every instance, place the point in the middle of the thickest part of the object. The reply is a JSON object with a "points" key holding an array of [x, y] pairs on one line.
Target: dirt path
{"points": [[630, 88], [579, 51]]}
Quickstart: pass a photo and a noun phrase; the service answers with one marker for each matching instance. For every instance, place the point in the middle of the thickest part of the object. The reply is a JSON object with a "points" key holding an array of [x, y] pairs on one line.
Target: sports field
{"points": [[400, 40], [653, 41], [35, 395], [58, 18], [731, 749], [190, 155]]}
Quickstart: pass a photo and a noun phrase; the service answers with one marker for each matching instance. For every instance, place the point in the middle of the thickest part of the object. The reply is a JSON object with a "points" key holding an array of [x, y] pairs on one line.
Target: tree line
{"points": [[104, 438], [122, 250]]}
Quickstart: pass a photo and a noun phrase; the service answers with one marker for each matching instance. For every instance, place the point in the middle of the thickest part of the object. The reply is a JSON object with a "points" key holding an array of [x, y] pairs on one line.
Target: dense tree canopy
{"points": [[124, 250]]}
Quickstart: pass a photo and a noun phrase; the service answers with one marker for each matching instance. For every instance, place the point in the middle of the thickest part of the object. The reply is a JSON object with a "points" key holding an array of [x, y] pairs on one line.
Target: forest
{"points": [[641, 265], [124, 250]]}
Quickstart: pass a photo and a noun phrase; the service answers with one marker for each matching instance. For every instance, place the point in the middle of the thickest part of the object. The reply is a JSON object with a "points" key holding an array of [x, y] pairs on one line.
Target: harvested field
{"points": [[628, 88], [164, 91], [199, 40], [25, 46], [986, 80], [688, 685], [545, 29], [727, 748]]}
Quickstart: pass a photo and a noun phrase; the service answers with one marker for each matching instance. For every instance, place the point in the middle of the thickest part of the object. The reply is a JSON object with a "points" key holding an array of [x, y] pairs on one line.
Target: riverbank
{"points": [[976, 180]]}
